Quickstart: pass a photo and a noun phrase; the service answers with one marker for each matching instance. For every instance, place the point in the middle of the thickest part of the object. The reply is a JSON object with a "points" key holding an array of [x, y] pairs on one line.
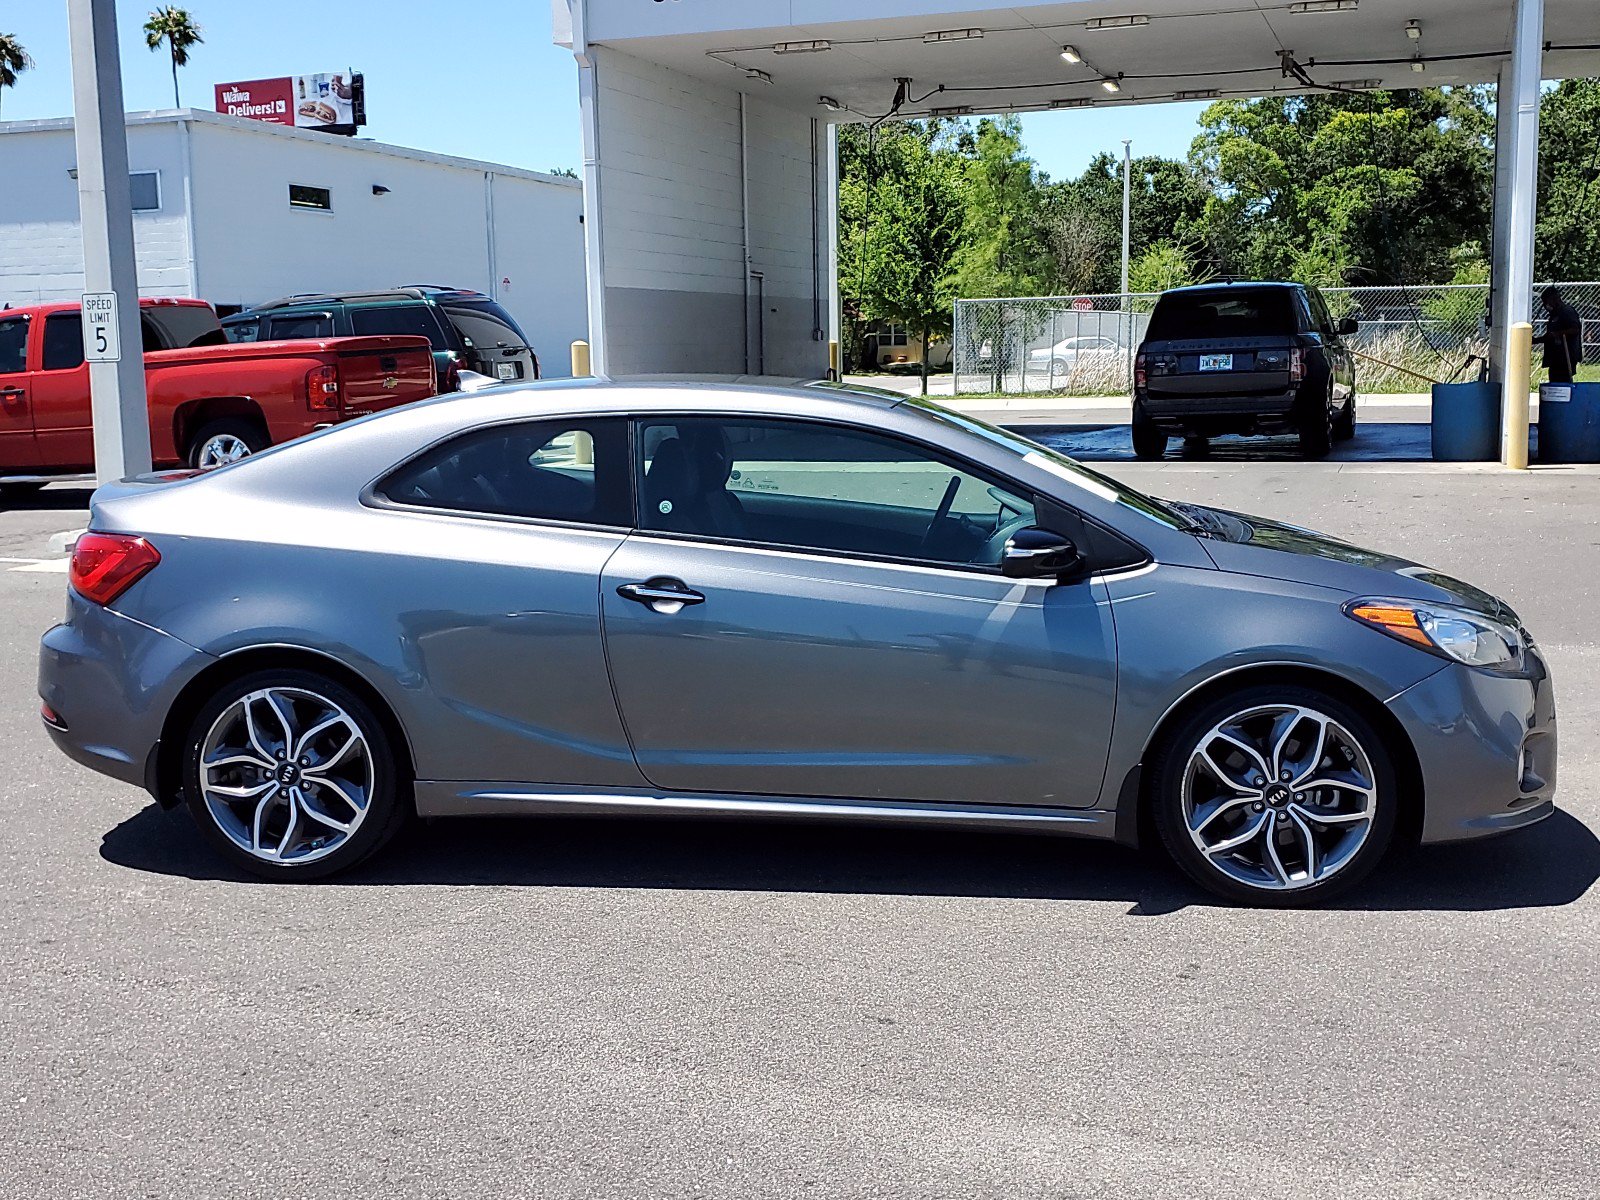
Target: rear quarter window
{"points": [[414, 319], [243, 331], [304, 325], [1259, 312]]}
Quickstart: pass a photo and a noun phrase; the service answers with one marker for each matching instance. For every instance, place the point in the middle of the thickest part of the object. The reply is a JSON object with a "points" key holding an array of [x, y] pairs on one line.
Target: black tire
{"points": [[247, 433], [1316, 429], [1169, 766], [1148, 440], [1344, 425], [388, 799]]}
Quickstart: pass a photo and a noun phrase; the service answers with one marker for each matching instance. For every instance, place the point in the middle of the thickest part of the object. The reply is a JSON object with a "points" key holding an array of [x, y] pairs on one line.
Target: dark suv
{"points": [[467, 330], [1244, 358]]}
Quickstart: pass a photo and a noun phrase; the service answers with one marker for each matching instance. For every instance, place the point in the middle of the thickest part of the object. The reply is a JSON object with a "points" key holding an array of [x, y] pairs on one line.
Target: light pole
{"points": [[1127, 174], [112, 340]]}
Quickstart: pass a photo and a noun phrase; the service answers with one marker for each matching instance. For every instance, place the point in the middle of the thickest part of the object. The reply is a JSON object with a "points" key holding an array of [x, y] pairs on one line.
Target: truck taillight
{"points": [[1140, 372], [1297, 365], [322, 389], [104, 565]]}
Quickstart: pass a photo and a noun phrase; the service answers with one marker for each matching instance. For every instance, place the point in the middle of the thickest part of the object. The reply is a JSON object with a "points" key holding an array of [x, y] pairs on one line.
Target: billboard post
{"points": [[120, 414]]}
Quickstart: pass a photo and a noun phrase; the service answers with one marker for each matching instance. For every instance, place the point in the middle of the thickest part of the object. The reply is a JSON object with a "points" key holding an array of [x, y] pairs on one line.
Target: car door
{"points": [[18, 450], [61, 404], [815, 609]]}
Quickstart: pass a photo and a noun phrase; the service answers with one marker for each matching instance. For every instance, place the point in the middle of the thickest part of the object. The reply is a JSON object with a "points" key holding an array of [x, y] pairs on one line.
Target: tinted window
{"points": [[243, 331], [63, 341], [306, 325], [483, 323], [822, 487], [416, 319], [180, 326], [554, 470], [13, 345], [304, 196], [1234, 312]]}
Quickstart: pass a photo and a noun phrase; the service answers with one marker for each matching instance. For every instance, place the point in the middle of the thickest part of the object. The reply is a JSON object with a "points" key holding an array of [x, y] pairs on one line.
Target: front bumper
{"points": [[112, 681], [1487, 747]]}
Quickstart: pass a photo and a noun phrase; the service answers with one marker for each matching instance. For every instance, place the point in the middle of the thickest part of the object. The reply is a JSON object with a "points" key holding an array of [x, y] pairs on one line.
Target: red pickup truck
{"points": [[211, 401]]}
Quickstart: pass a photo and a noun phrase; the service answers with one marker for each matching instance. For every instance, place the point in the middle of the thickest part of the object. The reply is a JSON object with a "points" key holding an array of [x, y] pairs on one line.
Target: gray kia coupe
{"points": [[796, 601]]}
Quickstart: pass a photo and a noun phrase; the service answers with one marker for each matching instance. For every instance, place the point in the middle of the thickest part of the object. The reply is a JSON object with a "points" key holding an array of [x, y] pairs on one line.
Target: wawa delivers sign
{"points": [[333, 102]]}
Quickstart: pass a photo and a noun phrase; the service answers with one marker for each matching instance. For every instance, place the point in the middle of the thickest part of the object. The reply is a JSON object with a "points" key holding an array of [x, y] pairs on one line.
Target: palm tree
{"points": [[176, 27], [14, 60]]}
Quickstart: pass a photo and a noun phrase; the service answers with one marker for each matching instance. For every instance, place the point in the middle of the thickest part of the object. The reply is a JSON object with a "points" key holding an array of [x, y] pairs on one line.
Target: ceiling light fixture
{"points": [[952, 35], [1358, 85], [1321, 6], [829, 103], [1116, 22], [1197, 94], [1079, 103], [1110, 84], [757, 73], [954, 110], [1070, 54], [811, 47], [1418, 65], [1414, 30]]}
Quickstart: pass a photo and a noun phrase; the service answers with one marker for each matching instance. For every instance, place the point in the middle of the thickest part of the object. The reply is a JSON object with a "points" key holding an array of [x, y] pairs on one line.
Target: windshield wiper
{"points": [[1198, 520]]}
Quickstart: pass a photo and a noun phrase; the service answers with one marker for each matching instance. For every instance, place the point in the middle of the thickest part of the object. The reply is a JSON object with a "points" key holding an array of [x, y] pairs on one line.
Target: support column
{"points": [[594, 254], [831, 241], [118, 409], [1500, 236], [1527, 45]]}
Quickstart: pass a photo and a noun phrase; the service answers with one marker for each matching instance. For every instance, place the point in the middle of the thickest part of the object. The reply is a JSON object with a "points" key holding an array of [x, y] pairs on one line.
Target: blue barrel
{"points": [[1569, 423], [1466, 422]]}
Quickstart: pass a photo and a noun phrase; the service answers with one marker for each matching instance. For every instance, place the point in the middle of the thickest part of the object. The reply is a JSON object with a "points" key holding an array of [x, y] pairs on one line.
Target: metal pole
{"points": [[594, 249], [1127, 173], [1526, 63], [1500, 236], [119, 411]]}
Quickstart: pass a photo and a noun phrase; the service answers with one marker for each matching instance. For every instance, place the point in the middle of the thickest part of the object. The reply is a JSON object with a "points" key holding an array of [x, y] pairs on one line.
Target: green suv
{"points": [[467, 330]]}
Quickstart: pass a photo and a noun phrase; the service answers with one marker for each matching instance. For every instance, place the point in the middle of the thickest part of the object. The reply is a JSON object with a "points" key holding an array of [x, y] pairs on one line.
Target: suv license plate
{"points": [[507, 370], [1216, 362]]}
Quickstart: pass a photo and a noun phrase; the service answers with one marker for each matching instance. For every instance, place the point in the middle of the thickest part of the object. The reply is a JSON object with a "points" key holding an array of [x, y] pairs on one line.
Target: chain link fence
{"points": [[1407, 338]]}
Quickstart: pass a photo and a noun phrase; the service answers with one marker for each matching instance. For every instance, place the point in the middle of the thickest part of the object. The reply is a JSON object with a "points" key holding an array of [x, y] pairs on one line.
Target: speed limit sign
{"points": [[100, 343]]}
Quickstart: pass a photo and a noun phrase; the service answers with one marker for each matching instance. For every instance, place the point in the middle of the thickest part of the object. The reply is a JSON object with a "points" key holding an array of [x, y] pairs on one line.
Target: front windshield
{"points": [[1059, 465]]}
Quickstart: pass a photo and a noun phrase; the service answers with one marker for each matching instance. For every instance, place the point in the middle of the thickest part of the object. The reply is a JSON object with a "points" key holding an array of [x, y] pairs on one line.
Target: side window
{"points": [[415, 319], [552, 470], [63, 341], [825, 488], [14, 346], [303, 325]]}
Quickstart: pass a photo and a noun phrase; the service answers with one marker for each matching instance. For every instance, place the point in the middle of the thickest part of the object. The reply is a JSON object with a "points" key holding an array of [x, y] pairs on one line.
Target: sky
{"points": [[478, 78]]}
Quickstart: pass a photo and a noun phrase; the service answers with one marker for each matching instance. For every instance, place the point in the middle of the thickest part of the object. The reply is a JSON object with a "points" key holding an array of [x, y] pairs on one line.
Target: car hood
{"points": [[1249, 545]]}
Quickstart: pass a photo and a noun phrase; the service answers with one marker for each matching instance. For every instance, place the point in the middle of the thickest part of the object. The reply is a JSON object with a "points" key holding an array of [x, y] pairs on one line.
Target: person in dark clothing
{"points": [[1562, 337]]}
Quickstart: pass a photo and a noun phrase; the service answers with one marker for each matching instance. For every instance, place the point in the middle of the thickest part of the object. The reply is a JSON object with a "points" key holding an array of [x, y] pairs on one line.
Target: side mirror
{"points": [[1348, 325], [1035, 553]]}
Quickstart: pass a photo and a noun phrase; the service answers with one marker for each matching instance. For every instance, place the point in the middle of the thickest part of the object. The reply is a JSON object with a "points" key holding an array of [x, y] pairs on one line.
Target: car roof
{"points": [[1225, 285], [423, 292]]}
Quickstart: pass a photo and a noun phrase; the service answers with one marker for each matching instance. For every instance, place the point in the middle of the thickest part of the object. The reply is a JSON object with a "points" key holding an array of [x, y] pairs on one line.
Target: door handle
{"points": [[12, 393], [662, 594]]}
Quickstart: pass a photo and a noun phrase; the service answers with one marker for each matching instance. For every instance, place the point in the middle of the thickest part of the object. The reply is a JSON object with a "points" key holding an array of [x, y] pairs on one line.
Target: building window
{"points": [[893, 335], [301, 196], [146, 189]]}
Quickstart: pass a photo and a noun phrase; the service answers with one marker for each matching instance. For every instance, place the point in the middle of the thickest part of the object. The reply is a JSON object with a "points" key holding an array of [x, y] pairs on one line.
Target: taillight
{"points": [[452, 377], [104, 565], [1297, 365], [322, 388], [1140, 375]]}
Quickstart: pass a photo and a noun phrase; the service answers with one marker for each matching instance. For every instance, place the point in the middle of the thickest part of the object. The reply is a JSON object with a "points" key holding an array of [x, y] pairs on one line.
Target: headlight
{"points": [[1456, 633]]}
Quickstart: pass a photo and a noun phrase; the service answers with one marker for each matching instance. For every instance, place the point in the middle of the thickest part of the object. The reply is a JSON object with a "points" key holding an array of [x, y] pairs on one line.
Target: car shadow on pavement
{"points": [[50, 499], [1554, 863]]}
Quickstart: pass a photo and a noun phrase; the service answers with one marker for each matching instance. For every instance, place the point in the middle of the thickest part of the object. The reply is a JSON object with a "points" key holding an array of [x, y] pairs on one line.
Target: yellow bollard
{"points": [[580, 360], [1514, 413], [833, 361]]}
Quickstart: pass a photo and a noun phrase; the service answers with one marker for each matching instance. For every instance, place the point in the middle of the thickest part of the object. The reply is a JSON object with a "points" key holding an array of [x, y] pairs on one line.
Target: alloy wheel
{"points": [[286, 774], [221, 449], [1279, 797]]}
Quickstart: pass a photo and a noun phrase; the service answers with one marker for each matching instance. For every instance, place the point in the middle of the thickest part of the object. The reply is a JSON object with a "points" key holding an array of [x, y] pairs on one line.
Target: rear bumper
{"points": [[1487, 747], [112, 681], [1268, 409]]}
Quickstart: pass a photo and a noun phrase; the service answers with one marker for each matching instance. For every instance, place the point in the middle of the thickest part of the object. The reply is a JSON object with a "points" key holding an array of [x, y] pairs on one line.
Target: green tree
{"points": [[14, 60], [1162, 265], [1005, 252], [175, 27], [1567, 238]]}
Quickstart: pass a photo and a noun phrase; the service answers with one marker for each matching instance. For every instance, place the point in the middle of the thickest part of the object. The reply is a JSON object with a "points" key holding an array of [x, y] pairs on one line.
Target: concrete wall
{"points": [[673, 167], [432, 226], [41, 250]]}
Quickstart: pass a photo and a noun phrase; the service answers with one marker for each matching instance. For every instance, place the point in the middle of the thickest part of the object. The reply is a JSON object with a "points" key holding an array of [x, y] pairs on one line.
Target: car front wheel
{"points": [[1275, 796], [291, 775]]}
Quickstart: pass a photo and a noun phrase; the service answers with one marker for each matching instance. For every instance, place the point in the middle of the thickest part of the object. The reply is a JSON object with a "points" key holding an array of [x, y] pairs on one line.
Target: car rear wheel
{"points": [[1316, 429], [1344, 425], [1148, 440], [1275, 795], [291, 775], [224, 441]]}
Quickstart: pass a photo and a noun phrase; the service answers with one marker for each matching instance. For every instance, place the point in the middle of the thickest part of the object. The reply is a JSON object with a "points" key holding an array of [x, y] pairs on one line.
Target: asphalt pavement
{"points": [[640, 1008]]}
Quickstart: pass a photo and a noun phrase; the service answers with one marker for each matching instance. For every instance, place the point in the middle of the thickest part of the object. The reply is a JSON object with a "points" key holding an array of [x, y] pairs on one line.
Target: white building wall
{"points": [[673, 170], [41, 246], [433, 225]]}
